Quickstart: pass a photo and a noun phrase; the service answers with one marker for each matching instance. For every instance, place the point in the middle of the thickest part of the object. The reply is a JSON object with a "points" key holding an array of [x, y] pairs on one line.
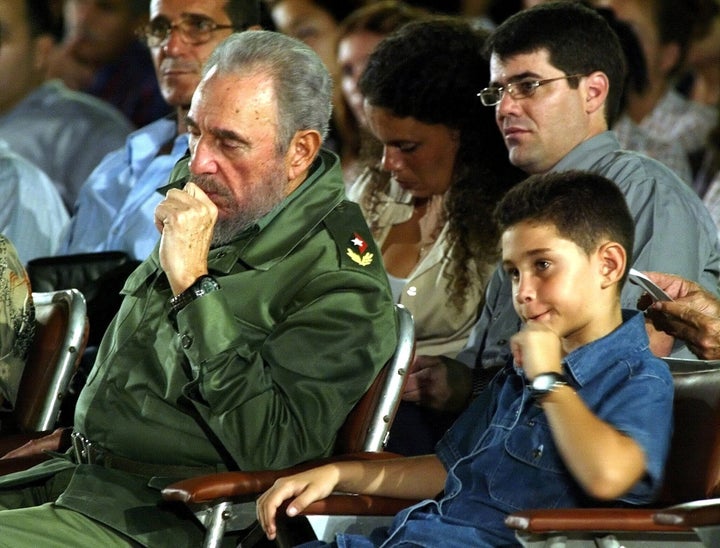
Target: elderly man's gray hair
{"points": [[302, 84]]}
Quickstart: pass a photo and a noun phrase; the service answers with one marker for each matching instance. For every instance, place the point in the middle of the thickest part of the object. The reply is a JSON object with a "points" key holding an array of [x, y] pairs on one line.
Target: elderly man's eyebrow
{"points": [[220, 133]]}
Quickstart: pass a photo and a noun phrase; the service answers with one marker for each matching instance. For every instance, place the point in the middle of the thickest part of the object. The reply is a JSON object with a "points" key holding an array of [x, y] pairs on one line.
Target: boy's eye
{"points": [[542, 265]]}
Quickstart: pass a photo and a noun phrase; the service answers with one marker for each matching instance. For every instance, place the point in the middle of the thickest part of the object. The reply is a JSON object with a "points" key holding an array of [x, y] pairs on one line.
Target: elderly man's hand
{"points": [[693, 315], [440, 383], [186, 219]]}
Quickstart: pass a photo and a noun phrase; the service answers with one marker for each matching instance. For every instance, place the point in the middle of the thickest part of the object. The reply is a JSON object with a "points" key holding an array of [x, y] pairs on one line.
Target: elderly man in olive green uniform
{"points": [[247, 336]]}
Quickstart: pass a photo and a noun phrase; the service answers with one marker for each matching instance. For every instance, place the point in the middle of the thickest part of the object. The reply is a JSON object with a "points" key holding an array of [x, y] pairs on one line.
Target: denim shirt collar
{"points": [[591, 359]]}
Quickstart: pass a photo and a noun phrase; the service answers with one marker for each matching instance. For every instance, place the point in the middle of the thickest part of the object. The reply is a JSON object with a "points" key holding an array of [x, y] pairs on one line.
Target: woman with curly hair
{"points": [[448, 166], [429, 202]]}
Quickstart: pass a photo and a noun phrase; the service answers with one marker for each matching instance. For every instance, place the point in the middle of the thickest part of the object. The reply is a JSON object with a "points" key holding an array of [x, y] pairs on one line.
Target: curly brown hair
{"points": [[442, 70]]}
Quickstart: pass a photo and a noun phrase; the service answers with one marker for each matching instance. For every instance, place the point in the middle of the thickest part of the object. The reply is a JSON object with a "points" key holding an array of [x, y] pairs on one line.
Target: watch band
{"points": [[202, 286]]}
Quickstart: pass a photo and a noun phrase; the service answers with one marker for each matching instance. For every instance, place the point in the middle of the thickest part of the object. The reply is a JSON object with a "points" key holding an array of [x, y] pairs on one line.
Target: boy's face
{"points": [[555, 282]]}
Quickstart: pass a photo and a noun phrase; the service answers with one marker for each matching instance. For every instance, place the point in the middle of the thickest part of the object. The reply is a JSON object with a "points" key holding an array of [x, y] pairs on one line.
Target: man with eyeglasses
{"points": [[244, 340], [115, 208], [556, 77]]}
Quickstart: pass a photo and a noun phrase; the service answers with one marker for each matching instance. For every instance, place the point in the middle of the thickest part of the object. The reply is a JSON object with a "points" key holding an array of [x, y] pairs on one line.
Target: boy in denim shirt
{"points": [[582, 415]]}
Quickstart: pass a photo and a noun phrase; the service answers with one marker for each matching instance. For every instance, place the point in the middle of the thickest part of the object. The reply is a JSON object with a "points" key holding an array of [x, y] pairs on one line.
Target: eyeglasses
{"points": [[518, 90], [194, 30]]}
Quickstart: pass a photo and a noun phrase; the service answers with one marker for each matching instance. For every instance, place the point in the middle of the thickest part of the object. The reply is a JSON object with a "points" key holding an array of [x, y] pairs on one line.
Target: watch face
{"points": [[547, 381], [208, 284], [543, 382]]}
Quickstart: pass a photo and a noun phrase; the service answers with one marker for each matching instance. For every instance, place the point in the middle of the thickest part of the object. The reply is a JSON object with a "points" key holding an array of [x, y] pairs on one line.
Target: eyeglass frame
{"points": [[511, 86], [145, 34]]}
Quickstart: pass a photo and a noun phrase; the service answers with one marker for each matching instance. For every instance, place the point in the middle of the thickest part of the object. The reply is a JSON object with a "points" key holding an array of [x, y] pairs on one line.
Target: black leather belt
{"points": [[88, 452]]}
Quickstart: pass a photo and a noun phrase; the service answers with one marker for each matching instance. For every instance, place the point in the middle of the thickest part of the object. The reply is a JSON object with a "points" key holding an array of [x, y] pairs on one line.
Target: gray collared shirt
{"points": [[673, 233]]}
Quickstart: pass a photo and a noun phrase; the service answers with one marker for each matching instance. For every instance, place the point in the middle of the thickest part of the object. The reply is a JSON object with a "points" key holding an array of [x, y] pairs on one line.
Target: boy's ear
{"points": [[613, 261]]}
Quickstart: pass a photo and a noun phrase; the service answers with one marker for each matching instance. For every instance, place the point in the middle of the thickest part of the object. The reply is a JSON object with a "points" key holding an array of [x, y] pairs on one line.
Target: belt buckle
{"points": [[82, 447]]}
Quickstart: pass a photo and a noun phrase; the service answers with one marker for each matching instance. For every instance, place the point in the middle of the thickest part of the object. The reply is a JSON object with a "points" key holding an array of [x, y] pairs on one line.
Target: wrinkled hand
{"points": [[693, 315], [537, 349], [440, 383], [306, 488], [51, 442], [186, 219]]}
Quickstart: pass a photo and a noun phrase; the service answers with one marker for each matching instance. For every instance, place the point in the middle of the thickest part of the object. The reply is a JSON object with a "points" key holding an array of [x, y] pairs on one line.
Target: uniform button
{"points": [[412, 290], [186, 341], [222, 254], [502, 342]]}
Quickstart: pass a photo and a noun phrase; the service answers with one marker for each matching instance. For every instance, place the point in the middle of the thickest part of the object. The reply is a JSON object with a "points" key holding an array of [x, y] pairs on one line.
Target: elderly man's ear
{"points": [[303, 149]]}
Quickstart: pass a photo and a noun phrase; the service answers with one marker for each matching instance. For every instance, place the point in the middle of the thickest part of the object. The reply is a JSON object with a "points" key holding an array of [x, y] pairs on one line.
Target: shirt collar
{"points": [[585, 155], [591, 359]]}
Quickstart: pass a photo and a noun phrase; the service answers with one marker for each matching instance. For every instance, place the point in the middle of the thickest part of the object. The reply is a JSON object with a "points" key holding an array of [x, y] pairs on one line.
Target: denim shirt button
{"points": [[538, 451], [186, 341], [502, 342], [531, 422]]}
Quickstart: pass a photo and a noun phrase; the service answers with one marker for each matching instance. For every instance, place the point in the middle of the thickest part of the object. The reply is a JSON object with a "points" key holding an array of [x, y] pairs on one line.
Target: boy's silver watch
{"points": [[544, 383]]}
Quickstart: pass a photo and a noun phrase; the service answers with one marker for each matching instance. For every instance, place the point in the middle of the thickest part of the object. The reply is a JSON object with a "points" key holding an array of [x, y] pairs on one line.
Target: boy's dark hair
{"points": [[243, 13], [584, 207], [577, 38]]}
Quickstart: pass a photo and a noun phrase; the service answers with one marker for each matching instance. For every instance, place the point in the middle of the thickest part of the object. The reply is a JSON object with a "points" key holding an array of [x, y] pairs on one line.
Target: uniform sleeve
{"points": [[262, 392]]}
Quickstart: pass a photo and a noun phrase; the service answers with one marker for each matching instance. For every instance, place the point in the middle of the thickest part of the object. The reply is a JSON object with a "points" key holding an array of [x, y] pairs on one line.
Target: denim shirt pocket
{"points": [[529, 472]]}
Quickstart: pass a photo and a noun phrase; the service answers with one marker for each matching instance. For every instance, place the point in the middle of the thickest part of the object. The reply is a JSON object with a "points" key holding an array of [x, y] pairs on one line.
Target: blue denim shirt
{"points": [[501, 456]]}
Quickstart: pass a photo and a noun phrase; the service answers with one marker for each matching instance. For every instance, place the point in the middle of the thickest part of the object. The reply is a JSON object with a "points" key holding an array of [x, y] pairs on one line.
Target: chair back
{"points": [[61, 330], [368, 424], [693, 467]]}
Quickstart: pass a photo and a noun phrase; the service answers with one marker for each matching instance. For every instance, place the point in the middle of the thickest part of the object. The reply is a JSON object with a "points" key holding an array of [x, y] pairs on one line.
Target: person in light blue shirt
{"points": [[32, 214], [115, 208], [63, 132]]}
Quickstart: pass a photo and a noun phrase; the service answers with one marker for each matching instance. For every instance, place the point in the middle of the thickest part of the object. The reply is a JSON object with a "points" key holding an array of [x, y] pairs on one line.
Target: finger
{"points": [[265, 511]]}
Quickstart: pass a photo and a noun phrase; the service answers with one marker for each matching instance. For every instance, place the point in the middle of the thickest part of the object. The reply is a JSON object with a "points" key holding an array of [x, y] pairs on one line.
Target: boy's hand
{"points": [[537, 349], [306, 487]]}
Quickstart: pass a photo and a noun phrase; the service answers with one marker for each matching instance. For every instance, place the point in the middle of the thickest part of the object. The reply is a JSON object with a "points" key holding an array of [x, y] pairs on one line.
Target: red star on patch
{"points": [[358, 242]]}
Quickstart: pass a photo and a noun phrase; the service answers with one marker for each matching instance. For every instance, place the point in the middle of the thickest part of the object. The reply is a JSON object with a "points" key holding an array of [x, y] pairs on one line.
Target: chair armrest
{"points": [[246, 485], [698, 513], [587, 519], [357, 505]]}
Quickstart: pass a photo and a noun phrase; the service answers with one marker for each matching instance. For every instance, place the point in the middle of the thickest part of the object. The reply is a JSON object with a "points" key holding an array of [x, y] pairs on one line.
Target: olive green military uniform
{"points": [[259, 374]]}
